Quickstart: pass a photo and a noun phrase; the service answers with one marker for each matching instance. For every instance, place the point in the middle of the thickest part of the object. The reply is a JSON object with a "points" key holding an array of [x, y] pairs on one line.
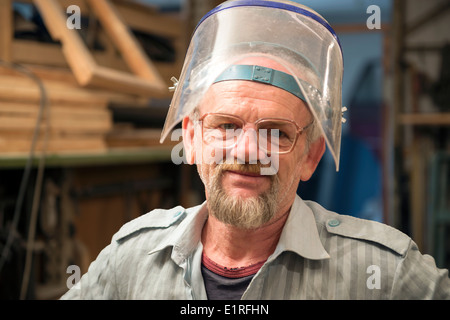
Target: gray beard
{"points": [[244, 213]]}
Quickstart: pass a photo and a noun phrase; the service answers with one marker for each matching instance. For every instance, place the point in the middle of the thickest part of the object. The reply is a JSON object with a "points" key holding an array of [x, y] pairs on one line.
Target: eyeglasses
{"points": [[274, 135]]}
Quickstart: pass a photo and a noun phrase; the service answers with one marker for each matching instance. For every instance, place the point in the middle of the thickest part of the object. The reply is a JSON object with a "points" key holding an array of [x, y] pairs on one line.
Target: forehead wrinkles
{"points": [[259, 99]]}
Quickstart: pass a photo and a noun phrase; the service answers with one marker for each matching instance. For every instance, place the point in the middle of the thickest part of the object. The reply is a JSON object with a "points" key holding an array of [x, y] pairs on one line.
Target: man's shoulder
{"points": [[157, 220], [361, 229]]}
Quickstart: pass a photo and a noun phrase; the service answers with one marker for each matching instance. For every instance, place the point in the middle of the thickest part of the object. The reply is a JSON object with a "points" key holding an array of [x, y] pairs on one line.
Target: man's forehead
{"points": [[260, 99]]}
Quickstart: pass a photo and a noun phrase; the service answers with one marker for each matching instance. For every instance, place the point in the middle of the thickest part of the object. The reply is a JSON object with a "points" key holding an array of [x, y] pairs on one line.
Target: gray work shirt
{"points": [[320, 255]]}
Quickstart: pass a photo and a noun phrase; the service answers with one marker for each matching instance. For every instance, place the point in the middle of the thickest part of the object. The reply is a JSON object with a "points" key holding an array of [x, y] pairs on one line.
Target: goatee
{"points": [[244, 213]]}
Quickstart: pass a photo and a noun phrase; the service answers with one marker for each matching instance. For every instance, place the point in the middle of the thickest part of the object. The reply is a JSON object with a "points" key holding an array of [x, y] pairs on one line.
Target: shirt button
{"points": [[334, 223]]}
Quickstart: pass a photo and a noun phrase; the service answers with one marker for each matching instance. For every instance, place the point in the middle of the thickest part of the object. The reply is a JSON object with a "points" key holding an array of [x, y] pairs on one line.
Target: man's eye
{"points": [[228, 126], [287, 136], [278, 133]]}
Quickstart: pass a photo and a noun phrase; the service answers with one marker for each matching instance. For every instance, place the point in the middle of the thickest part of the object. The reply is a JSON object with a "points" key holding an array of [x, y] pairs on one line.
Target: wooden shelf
{"points": [[109, 157], [438, 119]]}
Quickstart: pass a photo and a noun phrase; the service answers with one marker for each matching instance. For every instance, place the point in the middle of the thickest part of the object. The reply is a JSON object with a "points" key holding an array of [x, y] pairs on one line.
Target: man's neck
{"points": [[234, 247]]}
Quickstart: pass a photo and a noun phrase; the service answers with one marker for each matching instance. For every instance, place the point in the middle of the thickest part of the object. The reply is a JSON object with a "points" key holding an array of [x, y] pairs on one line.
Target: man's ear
{"points": [[188, 140], [312, 158]]}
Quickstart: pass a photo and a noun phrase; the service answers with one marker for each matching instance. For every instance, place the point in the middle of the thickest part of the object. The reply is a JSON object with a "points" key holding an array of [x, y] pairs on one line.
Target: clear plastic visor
{"points": [[303, 46]]}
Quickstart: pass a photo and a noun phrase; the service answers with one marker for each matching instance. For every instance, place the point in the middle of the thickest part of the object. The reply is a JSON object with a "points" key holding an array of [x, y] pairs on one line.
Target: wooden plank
{"points": [[21, 134], [45, 73], [57, 79], [50, 55], [43, 53], [6, 29], [135, 138], [53, 145], [56, 111], [138, 16], [32, 94], [78, 57], [124, 40], [151, 21], [81, 62], [124, 82], [22, 89], [9, 123], [108, 157], [20, 117], [442, 118]]}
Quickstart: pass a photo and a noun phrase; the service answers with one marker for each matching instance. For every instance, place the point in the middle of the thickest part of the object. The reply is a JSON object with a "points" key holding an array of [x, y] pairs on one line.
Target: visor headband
{"points": [[263, 75]]}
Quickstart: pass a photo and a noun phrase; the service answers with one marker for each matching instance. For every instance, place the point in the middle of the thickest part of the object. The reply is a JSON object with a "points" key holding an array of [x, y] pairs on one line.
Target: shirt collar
{"points": [[299, 235], [188, 234]]}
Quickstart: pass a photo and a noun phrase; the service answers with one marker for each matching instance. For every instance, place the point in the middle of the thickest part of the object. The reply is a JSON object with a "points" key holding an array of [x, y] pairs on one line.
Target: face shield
{"points": [[291, 35]]}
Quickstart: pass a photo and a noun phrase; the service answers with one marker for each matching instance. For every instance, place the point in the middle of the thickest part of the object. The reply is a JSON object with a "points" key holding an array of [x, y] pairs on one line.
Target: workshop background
{"points": [[81, 110]]}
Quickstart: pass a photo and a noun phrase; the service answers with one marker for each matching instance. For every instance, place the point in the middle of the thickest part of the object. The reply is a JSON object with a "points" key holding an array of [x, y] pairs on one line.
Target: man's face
{"points": [[238, 194]]}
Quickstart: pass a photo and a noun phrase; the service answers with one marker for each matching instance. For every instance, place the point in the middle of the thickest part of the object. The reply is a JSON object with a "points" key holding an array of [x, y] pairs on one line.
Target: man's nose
{"points": [[247, 149]]}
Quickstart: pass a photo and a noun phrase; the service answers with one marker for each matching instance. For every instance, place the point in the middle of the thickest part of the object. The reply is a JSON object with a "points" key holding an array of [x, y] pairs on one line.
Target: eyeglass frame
{"points": [[300, 130]]}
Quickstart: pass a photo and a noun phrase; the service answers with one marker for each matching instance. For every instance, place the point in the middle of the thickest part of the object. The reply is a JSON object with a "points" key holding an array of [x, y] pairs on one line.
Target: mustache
{"points": [[254, 168]]}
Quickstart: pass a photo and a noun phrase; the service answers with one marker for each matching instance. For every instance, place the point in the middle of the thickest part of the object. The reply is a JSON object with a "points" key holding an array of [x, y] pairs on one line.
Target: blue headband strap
{"points": [[264, 75]]}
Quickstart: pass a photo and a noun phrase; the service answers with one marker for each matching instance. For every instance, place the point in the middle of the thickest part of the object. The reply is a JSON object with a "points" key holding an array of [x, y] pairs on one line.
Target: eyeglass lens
{"points": [[272, 135]]}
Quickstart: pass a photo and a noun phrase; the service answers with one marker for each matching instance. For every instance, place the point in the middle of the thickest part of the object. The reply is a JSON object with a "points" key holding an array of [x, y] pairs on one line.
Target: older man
{"points": [[259, 100]]}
